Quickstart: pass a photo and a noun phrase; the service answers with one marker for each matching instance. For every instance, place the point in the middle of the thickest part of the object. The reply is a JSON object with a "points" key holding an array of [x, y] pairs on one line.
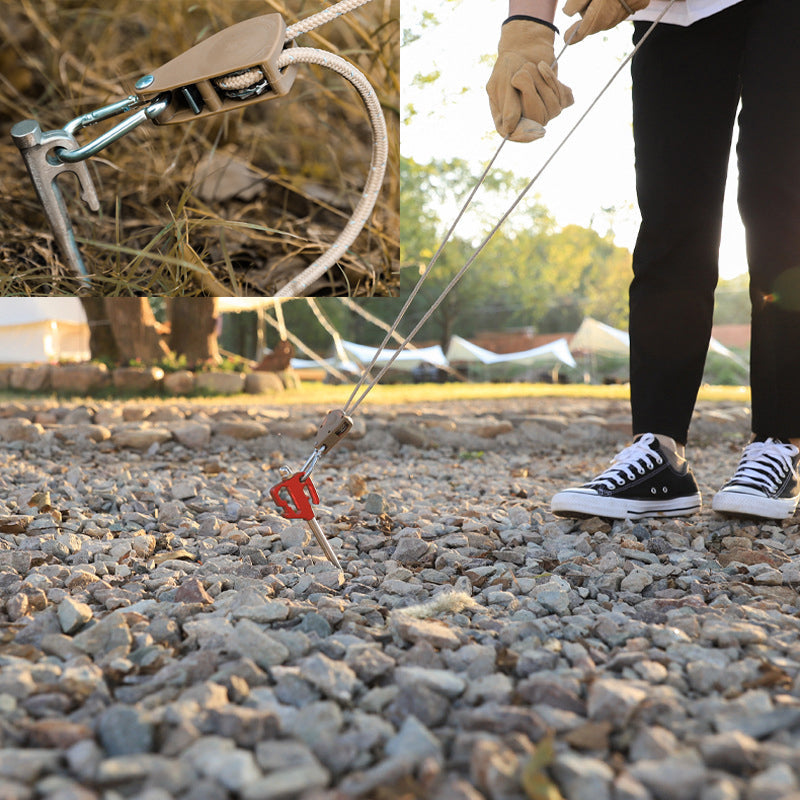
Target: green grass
{"points": [[403, 394], [318, 393]]}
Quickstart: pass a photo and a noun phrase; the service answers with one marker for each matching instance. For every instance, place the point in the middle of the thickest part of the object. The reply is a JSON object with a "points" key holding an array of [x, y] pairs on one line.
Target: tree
{"points": [[134, 327], [526, 272], [124, 329], [102, 344], [193, 329]]}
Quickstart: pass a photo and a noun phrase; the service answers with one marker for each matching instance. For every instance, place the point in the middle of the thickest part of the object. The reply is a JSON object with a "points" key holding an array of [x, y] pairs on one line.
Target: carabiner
{"points": [[150, 112]]}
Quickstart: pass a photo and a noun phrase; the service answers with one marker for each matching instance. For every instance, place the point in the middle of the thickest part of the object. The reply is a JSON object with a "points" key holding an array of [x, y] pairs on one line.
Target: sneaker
{"points": [[765, 483], [641, 482]]}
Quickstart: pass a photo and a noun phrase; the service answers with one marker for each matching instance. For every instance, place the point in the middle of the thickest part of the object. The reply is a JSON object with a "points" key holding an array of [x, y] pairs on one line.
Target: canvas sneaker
{"points": [[641, 482], [765, 483]]}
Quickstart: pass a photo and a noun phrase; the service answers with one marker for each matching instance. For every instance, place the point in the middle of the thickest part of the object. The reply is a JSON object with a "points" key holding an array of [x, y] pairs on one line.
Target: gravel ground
{"points": [[164, 634]]}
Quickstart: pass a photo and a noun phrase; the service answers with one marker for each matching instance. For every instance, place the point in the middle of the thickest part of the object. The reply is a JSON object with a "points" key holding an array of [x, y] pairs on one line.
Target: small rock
{"points": [[73, 615]]}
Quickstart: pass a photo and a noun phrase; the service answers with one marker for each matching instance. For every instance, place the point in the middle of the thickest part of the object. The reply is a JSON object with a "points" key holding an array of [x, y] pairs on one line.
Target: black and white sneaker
{"points": [[765, 483], [641, 482]]}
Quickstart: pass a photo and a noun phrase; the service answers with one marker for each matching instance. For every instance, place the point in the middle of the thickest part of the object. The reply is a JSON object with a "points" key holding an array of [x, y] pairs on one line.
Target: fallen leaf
{"points": [[171, 555]]}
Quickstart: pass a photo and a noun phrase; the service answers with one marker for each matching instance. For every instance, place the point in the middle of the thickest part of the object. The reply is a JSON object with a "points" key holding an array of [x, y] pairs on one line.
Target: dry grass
{"points": [[155, 233]]}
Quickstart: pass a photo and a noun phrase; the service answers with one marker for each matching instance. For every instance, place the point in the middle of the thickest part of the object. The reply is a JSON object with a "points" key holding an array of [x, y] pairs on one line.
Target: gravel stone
{"points": [[165, 635]]}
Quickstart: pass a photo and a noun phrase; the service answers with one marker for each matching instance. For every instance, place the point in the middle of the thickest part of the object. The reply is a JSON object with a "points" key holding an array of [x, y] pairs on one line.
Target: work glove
{"points": [[598, 15], [524, 90]]}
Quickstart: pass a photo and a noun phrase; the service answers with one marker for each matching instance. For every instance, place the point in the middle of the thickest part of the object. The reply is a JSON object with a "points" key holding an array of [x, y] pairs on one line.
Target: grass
{"points": [[402, 393], [158, 231], [315, 393]]}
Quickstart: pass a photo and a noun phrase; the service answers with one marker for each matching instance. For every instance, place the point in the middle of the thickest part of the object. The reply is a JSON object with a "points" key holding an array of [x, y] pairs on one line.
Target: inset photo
{"points": [[246, 149]]}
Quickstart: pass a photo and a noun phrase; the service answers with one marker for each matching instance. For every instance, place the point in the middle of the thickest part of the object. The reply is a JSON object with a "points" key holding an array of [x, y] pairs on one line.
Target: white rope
{"points": [[379, 323], [348, 408], [394, 334], [412, 294], [240, 81], [278, 306], [321, 17], [309, 352], [380, 154], [329, 329]]}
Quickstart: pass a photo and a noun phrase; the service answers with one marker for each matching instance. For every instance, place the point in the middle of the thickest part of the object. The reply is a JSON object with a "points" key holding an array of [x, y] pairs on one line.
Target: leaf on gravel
{"points": [[771, 675], [14, 523], [171, 555], [535, 781], [40, 501]]}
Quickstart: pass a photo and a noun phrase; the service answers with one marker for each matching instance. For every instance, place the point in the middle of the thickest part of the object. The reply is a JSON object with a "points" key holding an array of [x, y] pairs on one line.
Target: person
{"points": [[688, 78]]}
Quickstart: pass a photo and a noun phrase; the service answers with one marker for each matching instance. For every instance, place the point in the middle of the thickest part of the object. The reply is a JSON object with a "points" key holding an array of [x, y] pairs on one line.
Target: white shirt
{"points": [[684, 12]]}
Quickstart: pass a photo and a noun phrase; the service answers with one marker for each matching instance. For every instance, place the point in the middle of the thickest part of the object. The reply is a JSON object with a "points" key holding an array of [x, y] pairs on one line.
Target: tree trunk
{"points": [[194, 328], [134, 327], [102, 345]]}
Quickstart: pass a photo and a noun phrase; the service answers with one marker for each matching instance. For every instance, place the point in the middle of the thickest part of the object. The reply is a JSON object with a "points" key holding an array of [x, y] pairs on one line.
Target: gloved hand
{"points": [[524, 90], [598, 15]]}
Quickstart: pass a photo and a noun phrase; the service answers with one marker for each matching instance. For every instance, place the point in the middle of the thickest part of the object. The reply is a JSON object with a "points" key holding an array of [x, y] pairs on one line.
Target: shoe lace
{"points": [[636, 459], [765, 464]]}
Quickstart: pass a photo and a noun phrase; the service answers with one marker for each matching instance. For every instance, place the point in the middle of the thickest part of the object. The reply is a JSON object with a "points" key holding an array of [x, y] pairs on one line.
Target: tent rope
{"points": [[328, 326], [340, 376], [278, 306]]}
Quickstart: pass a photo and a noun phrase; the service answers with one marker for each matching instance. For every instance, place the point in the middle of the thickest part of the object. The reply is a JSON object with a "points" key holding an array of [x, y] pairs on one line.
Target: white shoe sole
{"points": [[754, 505], [578, 501]]}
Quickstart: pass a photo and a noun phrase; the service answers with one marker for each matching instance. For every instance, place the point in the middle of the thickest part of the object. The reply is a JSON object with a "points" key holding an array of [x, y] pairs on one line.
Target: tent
{"points": [[42, 329], [717, 347], [407, 360], [464, 351], [593, 337]]}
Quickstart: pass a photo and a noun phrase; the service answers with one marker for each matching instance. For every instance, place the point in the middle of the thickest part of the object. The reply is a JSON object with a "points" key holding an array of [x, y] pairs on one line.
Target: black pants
{"points": [[687, 82]]}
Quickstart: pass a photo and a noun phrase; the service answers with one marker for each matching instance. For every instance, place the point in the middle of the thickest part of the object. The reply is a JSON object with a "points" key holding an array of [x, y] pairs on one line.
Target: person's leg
{"points": [[685, 94], [769, 200], [766, 482]]}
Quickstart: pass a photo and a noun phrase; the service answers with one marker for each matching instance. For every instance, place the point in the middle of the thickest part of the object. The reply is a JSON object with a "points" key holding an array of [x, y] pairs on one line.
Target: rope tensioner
{"points": [[249, 62], [296, 496]]}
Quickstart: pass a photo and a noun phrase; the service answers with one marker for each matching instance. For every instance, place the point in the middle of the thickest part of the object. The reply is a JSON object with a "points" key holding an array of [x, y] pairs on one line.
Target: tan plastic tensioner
{"points": [[196, 78]]}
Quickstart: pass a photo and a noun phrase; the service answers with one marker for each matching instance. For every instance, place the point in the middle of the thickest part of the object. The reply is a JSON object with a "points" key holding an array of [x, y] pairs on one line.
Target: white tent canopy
{"points": [[461, 350], [597, 337], [717, 347], [42, 329], [407, 360]]}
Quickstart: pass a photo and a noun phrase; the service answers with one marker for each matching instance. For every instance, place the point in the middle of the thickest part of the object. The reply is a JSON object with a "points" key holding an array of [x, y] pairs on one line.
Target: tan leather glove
{"points": [[598, 15], [524, 90]]}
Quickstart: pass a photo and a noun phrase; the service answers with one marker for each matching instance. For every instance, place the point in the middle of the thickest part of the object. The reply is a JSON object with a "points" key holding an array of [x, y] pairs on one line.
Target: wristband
{"points": [[532, 19]]}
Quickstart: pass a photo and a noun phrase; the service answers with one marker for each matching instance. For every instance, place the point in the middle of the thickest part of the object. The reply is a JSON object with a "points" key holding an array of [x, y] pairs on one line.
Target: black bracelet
{"points": [[532, 19]]}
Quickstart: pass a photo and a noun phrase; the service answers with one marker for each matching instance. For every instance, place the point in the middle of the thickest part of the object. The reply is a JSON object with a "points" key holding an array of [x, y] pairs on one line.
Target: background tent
{"points": [[595, 338], [42, 329], [407, 360], [463, 351], [598, 338]]}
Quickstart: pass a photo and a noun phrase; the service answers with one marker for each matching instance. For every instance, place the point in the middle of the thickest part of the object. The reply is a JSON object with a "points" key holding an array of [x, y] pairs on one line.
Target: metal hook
{"points": [[44, 167], [49, 154]]}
